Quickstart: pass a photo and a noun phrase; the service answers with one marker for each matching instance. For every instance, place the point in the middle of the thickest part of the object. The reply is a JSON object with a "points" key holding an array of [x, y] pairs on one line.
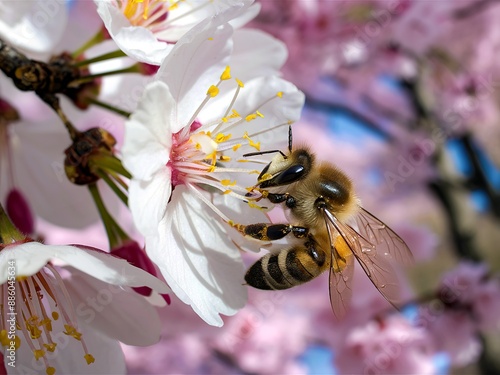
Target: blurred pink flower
{"points": [[452, 332], [252, 338], [389, 346]]}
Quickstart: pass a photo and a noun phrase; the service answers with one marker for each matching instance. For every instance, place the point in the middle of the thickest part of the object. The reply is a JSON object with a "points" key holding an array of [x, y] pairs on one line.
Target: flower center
{"points": [[201, 153], [156, 14], [31, 305]]}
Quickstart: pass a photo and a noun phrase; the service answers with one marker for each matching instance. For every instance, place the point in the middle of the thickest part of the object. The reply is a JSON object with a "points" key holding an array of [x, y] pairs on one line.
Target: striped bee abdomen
{"points": [[287, 268]]}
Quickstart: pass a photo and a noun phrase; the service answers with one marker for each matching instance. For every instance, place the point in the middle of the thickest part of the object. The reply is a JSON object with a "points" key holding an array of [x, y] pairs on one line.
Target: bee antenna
{"points": [[289, 139], [264, 152]]}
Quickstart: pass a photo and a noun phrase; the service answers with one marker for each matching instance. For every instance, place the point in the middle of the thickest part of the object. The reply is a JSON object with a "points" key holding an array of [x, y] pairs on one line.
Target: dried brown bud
{"points": [[88, 145]]}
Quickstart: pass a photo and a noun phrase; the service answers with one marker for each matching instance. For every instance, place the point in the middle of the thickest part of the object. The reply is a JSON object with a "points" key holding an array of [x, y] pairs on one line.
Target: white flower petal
{"points": [[68, 356], [35, 27], [119, 313], [252, 12], [196, 63], [255, 54], [137, 42], [32, 256], [238, 11], [198, 260], [243, 214], [148, 201], [148, 133]]}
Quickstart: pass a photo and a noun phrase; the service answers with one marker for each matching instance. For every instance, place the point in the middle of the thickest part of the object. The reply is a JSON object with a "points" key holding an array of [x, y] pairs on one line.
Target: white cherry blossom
{"points": [[147, 30], [69, 319], [184, 148]]}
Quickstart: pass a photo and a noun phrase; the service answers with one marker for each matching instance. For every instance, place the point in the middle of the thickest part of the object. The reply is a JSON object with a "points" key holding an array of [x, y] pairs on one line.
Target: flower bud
{"points": [[19, 212], [91, 144]]}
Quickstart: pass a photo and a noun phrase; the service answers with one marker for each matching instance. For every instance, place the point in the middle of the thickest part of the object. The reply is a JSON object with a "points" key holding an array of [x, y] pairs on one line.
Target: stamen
{"points": [[207, 202], [226, 74]]}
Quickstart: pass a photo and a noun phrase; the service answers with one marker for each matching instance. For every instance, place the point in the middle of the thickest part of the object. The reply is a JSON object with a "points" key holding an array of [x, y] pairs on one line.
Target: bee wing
{"points": [[340, 277], [376, 264], [386, 240], [341, 287]]}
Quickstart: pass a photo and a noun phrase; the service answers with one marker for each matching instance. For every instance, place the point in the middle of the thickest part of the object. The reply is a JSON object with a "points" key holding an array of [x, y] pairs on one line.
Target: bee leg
{"points": [[286, 198], [270, 232]]}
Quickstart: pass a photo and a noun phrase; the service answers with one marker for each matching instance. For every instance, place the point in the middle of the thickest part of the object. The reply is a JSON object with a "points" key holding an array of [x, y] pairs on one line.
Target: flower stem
{"points": [[131, 69], [8, 232], [106, 56], [123, 197], [112, 164], [114, 232], [96, 39], [109, 107]]}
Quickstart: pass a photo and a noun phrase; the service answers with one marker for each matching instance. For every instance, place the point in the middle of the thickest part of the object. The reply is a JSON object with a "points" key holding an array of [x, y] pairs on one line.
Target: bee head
{"points": [[285, 170]]}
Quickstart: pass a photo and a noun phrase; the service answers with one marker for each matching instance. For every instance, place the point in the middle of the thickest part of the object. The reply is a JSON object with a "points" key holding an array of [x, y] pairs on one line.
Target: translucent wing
{"points": [[341, 288], [341, 273], [386, 240], [376, 264]]}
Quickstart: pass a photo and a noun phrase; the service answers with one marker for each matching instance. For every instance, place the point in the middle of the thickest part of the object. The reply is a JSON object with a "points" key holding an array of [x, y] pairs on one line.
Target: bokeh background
{"points": [[404, 96]]}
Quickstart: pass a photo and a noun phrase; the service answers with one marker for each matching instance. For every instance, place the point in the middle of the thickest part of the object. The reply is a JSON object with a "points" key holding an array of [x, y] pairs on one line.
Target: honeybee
{"points": [[332, 229]]}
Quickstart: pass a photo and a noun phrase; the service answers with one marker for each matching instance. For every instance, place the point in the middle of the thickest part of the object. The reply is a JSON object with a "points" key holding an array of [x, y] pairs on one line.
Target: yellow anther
{"points": [[259, 114], [279, 94], [213, 91], [47, 323], [289, 122], [34, 331], [89, 358], [241, 84], [224, 119], [226, 74], [219, 138], [227, 192], [243, 161], [228, 183], [234, 114], [130, 9], [71, 331], [230, 222], [38, 353], [55, 315], [265, 177], [225, 158], [197, 146], [210, 38], [213, 157], [251, 117], [253, 144], [253, 205], [211, 168], [21, 278], [50, 347], [4, 339], [173, 6], [236, 146], [50, 371]]}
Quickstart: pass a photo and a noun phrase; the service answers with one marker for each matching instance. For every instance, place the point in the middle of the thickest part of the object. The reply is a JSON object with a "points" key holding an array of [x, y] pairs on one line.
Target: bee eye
{"points": [[292, 174]]}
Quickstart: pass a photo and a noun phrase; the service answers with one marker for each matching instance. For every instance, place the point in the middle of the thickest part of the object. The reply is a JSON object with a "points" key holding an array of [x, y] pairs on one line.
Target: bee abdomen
{"points": [[286, 269]]}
